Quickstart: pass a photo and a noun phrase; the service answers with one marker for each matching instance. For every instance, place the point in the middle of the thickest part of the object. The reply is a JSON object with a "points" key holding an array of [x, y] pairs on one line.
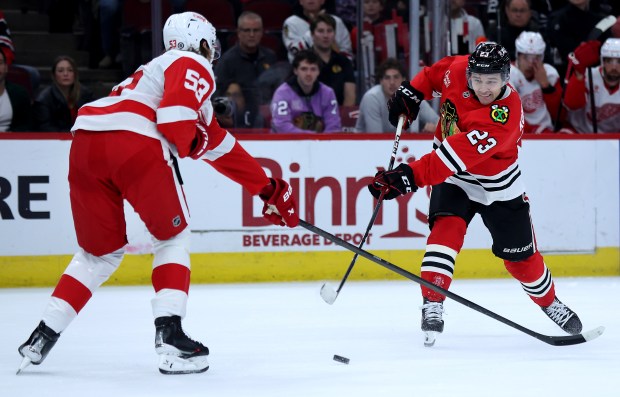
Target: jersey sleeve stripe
{"points": [[449, 158], [224, 147], [171, 114]]}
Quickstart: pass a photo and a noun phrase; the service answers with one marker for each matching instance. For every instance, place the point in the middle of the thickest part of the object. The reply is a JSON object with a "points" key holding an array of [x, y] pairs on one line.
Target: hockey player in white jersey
{"points": [[596, 101], [124, 148], [537, 83]]}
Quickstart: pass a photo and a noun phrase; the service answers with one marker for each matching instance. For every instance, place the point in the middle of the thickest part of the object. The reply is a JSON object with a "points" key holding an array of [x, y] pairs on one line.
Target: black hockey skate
{"points": [[178, 354], [563, 316], [38, 346], [432, 321]]}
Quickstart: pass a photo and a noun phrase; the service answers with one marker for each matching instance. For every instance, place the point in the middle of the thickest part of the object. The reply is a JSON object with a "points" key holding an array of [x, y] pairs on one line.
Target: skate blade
{"points": [[25, 362], [173, 365], [429, 338]]}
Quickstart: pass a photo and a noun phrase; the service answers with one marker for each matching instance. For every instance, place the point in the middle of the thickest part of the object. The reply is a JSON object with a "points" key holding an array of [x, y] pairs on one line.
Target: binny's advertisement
{"points": [[572, 186]]}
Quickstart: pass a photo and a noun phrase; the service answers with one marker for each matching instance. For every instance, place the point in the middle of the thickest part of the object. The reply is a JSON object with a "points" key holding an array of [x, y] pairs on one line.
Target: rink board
{"points": [[572, 183]]}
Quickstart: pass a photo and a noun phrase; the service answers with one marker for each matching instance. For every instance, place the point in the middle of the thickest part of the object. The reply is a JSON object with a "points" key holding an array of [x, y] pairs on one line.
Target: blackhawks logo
{"points": [[499, 114], [449, 118]]}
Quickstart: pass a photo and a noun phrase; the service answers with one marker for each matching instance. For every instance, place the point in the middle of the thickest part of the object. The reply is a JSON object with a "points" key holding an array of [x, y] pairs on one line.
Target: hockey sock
{"points": [[82, 277], [535, 278], [444, 243]]}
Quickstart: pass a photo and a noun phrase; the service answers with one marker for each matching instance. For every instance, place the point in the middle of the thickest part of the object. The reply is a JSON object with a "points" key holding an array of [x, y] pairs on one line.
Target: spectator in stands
{"points": [[374, 112], [242, 115], [6, 43], [336, 70], [56, 107], [7, 46], [568, 27], [245, 62], [516, 17], [537, 83], [15, 109], [296, 30], [302, 103], [604, 88], [466, 30]]}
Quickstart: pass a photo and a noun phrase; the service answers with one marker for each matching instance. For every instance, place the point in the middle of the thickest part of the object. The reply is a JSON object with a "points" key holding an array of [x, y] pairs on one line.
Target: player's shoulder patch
{"points": [[500, 113]]}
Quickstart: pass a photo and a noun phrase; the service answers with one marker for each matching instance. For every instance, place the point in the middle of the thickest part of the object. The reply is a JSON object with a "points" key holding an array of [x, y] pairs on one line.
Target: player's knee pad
{"points": [[91, 270], [172, 250]]}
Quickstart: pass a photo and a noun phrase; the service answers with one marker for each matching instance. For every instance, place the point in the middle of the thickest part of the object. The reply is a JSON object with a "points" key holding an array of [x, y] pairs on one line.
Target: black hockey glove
{"points": [[406, 101], [399, 181]]}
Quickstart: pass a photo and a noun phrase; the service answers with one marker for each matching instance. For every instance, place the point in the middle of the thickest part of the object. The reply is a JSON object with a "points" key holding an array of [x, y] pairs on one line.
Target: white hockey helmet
{"points": [[610, 49], [530, 43], [185, 32]]}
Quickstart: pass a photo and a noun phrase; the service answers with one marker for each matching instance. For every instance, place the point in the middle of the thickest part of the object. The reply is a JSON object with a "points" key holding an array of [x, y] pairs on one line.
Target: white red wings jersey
{"points": [[164, 100], [476, 146], [537, 115], [579, 103]]}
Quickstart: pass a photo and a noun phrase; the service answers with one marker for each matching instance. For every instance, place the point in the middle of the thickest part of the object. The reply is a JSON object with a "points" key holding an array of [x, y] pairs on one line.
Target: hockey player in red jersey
{"points": [[125, 147], [473, 170]]}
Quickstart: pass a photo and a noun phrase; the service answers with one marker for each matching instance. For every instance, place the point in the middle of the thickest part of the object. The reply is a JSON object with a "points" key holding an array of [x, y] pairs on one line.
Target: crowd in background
{"points": [[292, 65]]}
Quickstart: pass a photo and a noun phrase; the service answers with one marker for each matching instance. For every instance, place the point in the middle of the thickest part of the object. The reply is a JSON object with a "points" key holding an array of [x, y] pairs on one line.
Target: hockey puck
{"points": [[341, 359]]}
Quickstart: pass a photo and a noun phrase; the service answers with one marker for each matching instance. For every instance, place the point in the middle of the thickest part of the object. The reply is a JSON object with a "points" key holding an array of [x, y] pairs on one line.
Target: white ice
{"points": [[279, 340]]}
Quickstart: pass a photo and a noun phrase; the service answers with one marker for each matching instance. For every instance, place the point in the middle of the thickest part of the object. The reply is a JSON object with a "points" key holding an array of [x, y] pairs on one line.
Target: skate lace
{"points": [[433, 310], [559, 313]]}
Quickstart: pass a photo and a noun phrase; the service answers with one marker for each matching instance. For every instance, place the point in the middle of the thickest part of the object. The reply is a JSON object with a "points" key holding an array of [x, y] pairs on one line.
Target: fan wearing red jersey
{"points": [[125, 148], [473, 169]]}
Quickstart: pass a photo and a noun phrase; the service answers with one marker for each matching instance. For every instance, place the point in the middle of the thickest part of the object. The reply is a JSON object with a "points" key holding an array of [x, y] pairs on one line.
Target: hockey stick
{"points": [[551, 340], [327, 292]]}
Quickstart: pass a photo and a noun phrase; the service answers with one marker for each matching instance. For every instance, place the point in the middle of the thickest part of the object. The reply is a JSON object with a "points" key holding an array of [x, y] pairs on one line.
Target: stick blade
{"points": [[328, 294], [574, 339], [593, 334]]}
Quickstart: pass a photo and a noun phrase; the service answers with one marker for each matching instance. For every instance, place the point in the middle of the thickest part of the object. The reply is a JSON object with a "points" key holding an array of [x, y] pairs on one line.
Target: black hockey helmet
{"points": [[488, 58]]}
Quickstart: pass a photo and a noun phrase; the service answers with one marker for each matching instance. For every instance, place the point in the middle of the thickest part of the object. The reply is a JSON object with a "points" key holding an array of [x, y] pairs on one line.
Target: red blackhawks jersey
{"points": [[475, 146], [165, 100]]}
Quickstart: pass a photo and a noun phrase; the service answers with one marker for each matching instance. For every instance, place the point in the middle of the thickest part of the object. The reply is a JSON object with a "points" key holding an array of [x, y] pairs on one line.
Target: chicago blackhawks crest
{"points": [[449, 118], [499, 114]]}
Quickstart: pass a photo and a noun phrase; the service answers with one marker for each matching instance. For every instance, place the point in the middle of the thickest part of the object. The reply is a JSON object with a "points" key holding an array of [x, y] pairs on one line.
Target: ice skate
{"points": [[432, 321], [37, 347], [563, 316], [178, 354]]}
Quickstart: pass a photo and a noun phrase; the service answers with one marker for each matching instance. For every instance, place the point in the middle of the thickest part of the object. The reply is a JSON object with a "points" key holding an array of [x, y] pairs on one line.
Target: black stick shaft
{"points": [[552, 340], [399, 130]]}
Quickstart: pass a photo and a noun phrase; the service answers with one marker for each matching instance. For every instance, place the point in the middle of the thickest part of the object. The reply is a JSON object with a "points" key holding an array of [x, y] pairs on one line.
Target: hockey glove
{"points": [[280, 207], [585, 55], [200, 142], [397, 182], [406, 101]]}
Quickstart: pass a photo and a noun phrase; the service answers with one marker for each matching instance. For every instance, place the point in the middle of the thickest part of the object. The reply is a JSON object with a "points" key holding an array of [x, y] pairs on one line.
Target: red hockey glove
{"points": [[585, 55], [280, 207], [406, 100], [199, 144], [397, 182]]}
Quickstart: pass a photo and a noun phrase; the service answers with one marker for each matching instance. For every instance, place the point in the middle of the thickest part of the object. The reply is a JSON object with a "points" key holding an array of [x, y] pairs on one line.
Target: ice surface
{"points": [[280, 339]]}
